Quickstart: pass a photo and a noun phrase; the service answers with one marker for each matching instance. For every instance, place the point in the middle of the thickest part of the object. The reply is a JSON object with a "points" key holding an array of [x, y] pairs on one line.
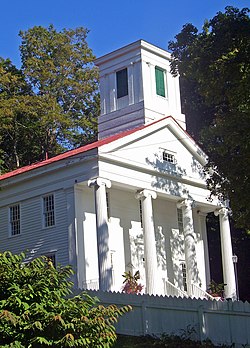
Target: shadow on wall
{"points": [[177, 250], [198, 168], [171, 186], [161, 248], [175, 188], [189, 242], [126, 226], [104, 263]]}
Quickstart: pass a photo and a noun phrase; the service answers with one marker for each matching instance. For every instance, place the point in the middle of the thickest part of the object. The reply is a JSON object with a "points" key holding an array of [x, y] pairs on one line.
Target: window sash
{"points": [[15, 223], [180, 220], [108, 204], [49, 211], [160, 82], [184, 275], [140, 212], [168, 157]]}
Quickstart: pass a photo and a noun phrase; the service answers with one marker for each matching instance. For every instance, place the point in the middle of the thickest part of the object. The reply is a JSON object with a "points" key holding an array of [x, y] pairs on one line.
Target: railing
{"points": [[92, 284], [172, 290], [199, 293]]}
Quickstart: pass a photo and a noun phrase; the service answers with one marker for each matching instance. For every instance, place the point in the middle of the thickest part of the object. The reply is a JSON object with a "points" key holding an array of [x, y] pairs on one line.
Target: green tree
{"points": [[60, 64], [51, 104], [31, 125], [37, 308], [214, 68]]}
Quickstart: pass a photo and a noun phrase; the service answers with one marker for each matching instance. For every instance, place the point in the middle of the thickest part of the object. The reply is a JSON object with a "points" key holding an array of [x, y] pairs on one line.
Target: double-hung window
{"points": [[15, 220], [160, 81], [48, 211], [184, 275], [122, 83], [180, 220], [140, 212], [108, 204]]}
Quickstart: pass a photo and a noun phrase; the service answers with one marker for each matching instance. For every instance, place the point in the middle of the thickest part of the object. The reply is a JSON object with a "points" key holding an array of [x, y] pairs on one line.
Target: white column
{"points": [[203, 231], [72, 233], [149, 240], [227, 254], [104, 263], [189, 244]]}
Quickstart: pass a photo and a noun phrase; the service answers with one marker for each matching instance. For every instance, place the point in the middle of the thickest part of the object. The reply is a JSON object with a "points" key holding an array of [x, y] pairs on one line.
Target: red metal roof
{"points": [[69, 153], [77, 151]]}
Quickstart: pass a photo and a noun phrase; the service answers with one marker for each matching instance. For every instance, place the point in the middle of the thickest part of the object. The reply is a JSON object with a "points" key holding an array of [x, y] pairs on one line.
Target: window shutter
{"points": [[160, 84], [122, 83]]}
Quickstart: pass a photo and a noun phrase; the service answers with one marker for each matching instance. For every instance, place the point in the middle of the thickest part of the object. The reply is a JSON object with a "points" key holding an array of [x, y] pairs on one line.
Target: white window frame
{"points": [[180, 220], [183, 268], [11, 234], [168, 156], [157, 67], [44, 218], [116, 82], [108, 204], [140, 212]]}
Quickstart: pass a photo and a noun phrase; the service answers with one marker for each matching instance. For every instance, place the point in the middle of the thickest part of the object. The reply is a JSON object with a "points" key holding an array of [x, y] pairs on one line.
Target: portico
{"points": [[192, 241]]}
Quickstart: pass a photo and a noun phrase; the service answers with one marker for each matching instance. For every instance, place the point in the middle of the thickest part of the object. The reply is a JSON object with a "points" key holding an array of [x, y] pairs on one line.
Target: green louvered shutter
{"points": [[160, 84]]}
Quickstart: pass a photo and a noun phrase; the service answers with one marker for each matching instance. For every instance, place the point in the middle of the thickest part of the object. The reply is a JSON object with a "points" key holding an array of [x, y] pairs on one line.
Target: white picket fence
{"points": [[224, 322]]}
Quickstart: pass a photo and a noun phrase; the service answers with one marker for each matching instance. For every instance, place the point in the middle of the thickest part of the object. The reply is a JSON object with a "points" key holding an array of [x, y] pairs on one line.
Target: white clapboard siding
{"points": [[34, 239]]}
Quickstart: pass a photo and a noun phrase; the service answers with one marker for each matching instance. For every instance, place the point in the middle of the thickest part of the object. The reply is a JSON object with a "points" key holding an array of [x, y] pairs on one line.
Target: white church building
{"points": [[136, 199]]}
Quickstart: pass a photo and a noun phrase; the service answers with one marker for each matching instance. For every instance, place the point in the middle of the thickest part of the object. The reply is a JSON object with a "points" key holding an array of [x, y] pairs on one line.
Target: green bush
{"points": [[36, 309]]}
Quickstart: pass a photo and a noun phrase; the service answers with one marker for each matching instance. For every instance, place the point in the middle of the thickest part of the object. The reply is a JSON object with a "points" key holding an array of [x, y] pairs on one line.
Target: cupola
{"points": [[136, 88]]}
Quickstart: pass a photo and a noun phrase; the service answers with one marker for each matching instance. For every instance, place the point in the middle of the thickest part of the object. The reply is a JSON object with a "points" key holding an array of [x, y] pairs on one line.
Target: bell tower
{"points": [[136, 88]]}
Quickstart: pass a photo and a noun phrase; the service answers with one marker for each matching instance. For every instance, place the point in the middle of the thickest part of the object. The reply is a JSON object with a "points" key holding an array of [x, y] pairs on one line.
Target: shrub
{"points": [[36, 309]]}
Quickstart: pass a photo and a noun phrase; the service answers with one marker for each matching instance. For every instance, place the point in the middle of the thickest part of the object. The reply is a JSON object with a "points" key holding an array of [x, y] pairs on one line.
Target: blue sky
{"points": [[112, 24]]}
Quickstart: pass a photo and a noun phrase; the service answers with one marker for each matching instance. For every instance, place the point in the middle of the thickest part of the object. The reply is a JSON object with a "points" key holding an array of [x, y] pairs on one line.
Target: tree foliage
{"points": [[37, 310], [214, 68], [61, 64], [51, 103], [27, 120]]}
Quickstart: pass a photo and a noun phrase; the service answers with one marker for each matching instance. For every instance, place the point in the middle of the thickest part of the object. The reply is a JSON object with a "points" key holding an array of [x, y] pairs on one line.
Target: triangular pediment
{"points": [[162, 147]]}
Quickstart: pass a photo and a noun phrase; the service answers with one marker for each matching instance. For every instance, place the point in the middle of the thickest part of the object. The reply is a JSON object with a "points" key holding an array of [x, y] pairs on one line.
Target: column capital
{"points": [[98, 181], [221, 211], [145, 193], [185, 202]]}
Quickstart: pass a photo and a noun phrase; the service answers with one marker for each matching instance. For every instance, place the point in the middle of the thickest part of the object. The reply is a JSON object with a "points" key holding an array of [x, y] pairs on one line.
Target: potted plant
{"points": [[216, 289], [131, 285]]}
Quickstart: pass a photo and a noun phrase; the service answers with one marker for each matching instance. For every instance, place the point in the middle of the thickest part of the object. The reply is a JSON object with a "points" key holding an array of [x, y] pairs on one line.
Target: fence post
{"points": [[202, 323], [230, 318], [144, 318]]}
